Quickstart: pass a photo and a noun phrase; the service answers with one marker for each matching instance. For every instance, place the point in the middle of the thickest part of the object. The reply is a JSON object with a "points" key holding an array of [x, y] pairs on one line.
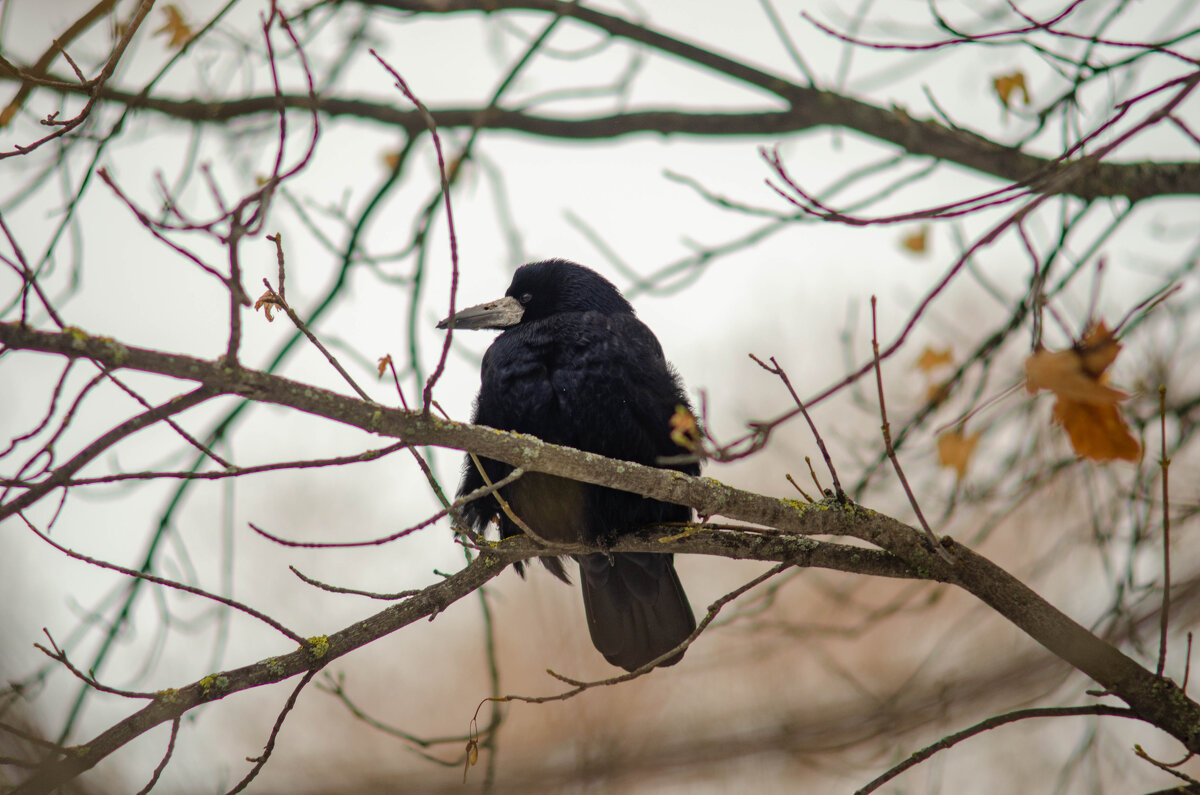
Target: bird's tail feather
{"points": [[636, 607]]}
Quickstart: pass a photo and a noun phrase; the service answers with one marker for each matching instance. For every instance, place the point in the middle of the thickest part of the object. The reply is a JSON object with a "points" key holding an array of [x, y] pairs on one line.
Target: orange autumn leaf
{"points": [[1077, 373], [685, 432], [1005, 85], [955, 450], [1086, 407], [931, 358], [1096, 431], [916, 242], [176, 27]]}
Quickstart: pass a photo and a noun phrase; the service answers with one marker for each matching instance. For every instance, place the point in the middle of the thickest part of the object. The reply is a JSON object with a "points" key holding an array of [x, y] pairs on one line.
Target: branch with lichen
{"points": [[779, 532]]}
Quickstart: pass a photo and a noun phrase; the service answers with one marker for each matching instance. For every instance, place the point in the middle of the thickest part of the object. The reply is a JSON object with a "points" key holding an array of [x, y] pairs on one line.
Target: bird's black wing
{"points": [[587, 380], [600, 383]]}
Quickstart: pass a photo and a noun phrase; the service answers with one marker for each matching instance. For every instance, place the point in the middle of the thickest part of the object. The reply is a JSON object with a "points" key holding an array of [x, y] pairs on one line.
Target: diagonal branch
{"points": [[144, 420], [1150, 697]]}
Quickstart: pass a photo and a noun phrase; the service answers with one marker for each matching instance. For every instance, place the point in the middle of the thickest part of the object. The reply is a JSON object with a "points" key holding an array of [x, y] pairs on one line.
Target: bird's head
{"points": [[542, 289]]}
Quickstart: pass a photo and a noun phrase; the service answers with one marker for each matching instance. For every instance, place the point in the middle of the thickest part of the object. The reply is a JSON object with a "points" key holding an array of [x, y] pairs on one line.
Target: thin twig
{"points": [[1194, 785], [482, 491], [162, 765], [812, 473], [277, 239], [273, 298], [390, 597], [141, 575], [60, 656], [1187, 665], [504, 506], [259, 761], [792, 480], [222, 474], [336, 688], [987, 725], [891, 451], [1165, 464], [579, 686], [431, 124], [775, 369]]}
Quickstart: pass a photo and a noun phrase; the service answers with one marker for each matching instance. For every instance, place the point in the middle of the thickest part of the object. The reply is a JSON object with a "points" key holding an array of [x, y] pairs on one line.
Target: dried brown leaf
{"points": [[1086, 406], [176, 27], [932, 358], [955, 450], [268, 301], [1005, 85], [1098, 432], [916, 242]]}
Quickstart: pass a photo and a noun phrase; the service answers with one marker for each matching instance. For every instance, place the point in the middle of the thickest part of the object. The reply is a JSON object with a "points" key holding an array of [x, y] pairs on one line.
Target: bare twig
{"points": [[431, 124], [1164, 464], [162, 765], [272, 298], [336, 687], [891, 451], [93, 87], [579, 686], [775, 369], [60, 656], [987, 725], [1194, 785], [482, 491], [261, 760], [141, 575], [388, 597]]}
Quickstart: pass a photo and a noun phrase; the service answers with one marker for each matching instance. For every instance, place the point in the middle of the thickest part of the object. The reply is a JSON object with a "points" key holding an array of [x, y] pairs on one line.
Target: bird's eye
{"points": [[526, 298]]}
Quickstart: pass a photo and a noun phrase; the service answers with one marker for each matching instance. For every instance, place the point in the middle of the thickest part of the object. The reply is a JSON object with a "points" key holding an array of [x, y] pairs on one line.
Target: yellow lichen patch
{"points": [[318, 645], [213, 682]]}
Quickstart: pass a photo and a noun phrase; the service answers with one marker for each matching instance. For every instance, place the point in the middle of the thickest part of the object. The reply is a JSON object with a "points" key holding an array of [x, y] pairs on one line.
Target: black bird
{"points": [[574, 366]]}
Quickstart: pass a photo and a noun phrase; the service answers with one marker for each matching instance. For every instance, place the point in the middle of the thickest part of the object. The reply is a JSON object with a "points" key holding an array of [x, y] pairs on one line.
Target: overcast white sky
{"points": [[792, 296]]}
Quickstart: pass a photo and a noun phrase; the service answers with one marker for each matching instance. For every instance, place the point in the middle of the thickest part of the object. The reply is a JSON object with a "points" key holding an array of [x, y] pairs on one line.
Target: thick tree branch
{"points": [[814, 109], [169, 705], [1152, 698], [806, 108], [321, 650]]}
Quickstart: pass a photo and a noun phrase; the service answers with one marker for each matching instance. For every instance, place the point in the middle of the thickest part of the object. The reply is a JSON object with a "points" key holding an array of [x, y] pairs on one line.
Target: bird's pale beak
{"points": [[494, 314]]}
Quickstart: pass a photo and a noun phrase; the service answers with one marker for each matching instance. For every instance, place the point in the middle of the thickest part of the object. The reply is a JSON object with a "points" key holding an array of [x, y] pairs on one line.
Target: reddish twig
{"points": [[387, 597], [232, 472], [141, 575], [60, 656], [271, 298], [431, 124], [162, 765], [579, 686], [261, 760], [93, 87], [482, 491]]}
